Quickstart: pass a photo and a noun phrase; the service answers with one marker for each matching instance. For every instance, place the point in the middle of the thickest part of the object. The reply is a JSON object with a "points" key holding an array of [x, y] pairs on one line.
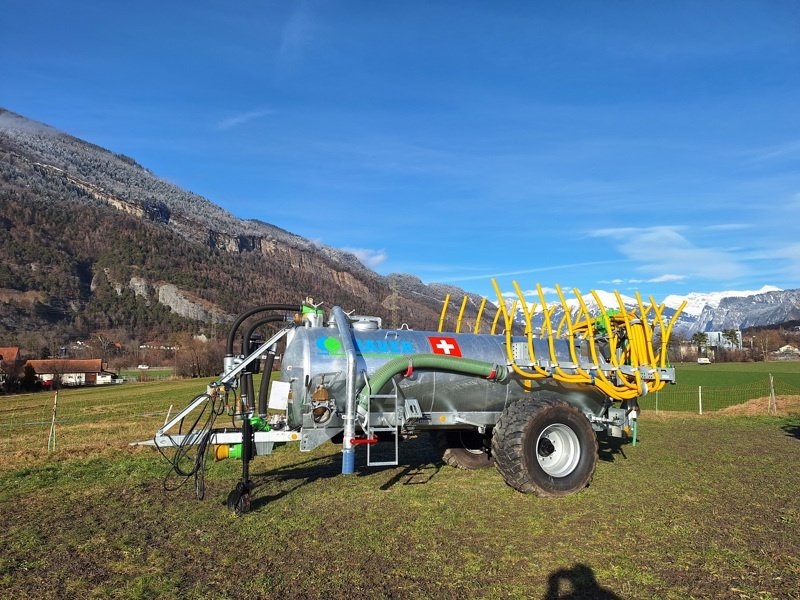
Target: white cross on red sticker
{"points": [[444, 345]]}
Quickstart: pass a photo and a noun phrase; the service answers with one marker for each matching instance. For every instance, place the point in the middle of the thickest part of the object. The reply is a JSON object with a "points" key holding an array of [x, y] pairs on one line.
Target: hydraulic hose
{"points": [[249, 333], [465, 366], [267, 373], [247, 314]]}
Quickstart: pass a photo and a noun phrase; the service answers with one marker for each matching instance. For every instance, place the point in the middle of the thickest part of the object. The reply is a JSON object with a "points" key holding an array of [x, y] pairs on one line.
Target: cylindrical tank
{"points": [[314, 356]]}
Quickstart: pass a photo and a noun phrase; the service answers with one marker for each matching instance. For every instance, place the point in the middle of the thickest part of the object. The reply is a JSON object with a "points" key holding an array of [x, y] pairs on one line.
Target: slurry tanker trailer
{"points": [[532, 404]]}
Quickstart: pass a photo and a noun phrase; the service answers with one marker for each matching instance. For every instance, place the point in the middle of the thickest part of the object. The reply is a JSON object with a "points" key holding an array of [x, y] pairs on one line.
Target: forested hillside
{"points": [[91, 240]]}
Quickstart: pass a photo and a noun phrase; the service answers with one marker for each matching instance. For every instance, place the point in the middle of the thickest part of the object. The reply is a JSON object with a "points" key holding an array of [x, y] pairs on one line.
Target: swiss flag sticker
{"points": [[444, 345]]}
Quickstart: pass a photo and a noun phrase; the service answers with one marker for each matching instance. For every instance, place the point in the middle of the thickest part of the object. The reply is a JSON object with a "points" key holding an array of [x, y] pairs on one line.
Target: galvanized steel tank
{"points": [[314, 356]]}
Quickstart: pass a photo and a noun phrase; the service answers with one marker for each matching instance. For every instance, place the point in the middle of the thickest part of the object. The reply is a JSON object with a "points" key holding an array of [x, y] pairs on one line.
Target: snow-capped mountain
{"points": [[769, 308], [711, 311], [696, 302]]}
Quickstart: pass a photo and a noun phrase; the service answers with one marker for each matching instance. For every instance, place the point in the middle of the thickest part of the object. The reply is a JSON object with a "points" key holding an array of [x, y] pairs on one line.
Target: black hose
{"points": [[247, 314], [249, 333], [266, 377], [181, 463]]}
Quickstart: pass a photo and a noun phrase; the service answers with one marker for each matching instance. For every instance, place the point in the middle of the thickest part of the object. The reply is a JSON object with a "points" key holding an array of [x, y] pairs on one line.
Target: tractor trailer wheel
{"points": [[544, 446], [463, 448]]}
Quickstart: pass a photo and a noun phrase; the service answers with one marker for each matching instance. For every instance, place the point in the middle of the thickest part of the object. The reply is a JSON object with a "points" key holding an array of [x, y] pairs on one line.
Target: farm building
{"points": [[10, 362], [9, 355], [788, 351], [71, 372]]}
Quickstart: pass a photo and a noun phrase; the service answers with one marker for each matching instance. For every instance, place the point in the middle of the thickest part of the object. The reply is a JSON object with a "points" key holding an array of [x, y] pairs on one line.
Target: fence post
{"points": [[51, 439], [700, 397], [773, 404]]}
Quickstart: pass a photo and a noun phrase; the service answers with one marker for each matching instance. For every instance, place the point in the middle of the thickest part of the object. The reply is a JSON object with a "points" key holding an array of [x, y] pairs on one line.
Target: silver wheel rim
{"points": [[558, 450]]}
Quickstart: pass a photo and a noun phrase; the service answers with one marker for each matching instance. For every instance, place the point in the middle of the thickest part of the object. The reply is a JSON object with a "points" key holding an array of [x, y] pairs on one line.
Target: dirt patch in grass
{"points": [[784, 406]]}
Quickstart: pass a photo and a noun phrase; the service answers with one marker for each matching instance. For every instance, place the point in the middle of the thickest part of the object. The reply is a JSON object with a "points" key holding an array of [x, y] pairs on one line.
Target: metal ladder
{"points": [[409, 412]]}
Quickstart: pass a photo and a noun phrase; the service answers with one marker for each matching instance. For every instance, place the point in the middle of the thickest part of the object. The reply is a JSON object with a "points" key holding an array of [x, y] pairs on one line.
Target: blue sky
{"points": [[637, 145]]}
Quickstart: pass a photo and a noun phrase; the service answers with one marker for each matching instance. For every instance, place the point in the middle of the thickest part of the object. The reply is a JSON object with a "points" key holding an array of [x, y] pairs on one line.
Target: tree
{"points": [[766, 341], [675, 347], [11, 370], [700, 340], [732, 336], [29, 381]]}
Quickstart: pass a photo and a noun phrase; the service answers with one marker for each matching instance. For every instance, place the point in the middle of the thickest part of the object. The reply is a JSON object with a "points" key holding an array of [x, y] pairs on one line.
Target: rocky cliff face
{"points": [[760, 310], [132, 246]]}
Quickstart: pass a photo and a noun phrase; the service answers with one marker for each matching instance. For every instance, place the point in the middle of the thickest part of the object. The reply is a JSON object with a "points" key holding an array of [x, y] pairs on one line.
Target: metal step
{"points": [[394, 429]]}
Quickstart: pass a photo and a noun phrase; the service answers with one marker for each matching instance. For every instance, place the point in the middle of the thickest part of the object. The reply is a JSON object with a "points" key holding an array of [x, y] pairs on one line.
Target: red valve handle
{"points": [[372, 440]]}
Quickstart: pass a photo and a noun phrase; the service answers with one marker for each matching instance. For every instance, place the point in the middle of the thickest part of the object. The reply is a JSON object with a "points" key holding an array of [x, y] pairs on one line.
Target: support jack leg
{"points": [[239, 498]]}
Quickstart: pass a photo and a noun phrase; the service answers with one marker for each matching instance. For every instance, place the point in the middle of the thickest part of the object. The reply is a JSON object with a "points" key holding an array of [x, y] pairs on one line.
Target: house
{"points": [[10, 362], [788, 350], [71, 372], [9, 354]]}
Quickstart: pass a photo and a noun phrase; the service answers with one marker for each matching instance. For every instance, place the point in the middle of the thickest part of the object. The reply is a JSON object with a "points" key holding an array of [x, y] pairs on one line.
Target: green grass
{"points": [[143, 374], [699, 508], [724, 385], [730, 374]]}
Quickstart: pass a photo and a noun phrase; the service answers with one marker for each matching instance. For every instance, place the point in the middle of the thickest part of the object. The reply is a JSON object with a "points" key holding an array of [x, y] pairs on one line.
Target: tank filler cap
{"points": [[365, 325]]}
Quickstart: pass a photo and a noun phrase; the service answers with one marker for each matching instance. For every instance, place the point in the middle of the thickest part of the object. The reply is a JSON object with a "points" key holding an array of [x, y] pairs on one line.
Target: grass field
{"points": [[151, 374], [701, 507], [730, 374], [723, 385]]}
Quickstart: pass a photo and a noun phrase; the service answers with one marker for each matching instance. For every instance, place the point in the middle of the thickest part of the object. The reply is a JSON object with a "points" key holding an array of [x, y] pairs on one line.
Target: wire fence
{"points": [[709, 399], [139, 409], [91, 410]]}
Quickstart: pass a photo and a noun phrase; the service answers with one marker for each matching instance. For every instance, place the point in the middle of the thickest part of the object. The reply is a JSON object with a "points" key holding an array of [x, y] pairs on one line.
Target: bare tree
{"points": [[766, 341]]}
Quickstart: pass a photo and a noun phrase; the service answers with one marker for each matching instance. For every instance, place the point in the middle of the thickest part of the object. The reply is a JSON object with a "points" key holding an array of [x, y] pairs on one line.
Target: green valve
{"points": [[600, 322], [235, 451], [311, 310], [259, 424]]}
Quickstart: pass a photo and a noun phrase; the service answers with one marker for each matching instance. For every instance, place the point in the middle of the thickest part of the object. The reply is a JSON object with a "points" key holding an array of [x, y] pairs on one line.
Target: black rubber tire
{"points": [[463, 448], [518, 442]]}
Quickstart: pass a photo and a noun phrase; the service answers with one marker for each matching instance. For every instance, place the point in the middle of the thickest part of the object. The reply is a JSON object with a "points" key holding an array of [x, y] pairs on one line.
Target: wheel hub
{"points": [[558, 450], [546, 447]]}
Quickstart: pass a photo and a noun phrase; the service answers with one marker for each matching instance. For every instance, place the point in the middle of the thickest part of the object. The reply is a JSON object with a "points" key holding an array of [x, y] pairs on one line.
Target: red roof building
{"points": [[9, 354], [71, 371]]}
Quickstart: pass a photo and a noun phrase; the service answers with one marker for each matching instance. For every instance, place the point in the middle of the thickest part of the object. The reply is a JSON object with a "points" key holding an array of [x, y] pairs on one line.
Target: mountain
{"points": [[759, 310], [715, 311], [92, 240], [696, 302]]}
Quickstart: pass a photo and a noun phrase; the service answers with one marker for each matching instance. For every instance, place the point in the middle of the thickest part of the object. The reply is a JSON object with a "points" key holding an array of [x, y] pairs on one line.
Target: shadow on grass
{"points": [[609, 448], [792, 430], [577, 582], [418, 467]]}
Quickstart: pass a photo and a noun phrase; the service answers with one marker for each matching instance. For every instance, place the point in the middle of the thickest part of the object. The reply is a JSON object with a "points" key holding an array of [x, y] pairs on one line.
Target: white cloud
{"points": [[667, 278], [786, 150], [790, 257], [728, 227], [536, 270], [666, 250], [369, 257], [529, 293], [297, 35], [242, 118]]}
